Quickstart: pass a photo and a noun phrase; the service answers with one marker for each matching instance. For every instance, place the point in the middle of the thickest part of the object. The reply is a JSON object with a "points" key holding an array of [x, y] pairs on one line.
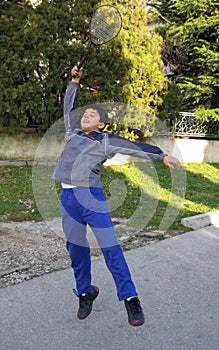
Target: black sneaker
{"points": [[134, 311], [86, 302]]}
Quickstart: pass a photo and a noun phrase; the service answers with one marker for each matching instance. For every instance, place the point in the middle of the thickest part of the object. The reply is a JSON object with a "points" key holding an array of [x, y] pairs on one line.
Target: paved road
{"points": [[178, 284]]}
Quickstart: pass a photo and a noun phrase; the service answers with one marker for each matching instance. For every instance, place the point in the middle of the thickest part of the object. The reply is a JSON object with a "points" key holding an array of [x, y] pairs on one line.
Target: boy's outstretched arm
{"points": [[171, 162]]}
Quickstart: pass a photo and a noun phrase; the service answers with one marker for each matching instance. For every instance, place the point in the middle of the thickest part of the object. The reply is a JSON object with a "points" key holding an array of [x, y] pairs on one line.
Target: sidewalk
{"points": [[178, 284]]}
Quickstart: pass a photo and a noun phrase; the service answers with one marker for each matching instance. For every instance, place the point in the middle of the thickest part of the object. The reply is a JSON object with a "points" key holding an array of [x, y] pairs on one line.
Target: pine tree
{"points": [[191, 48]]}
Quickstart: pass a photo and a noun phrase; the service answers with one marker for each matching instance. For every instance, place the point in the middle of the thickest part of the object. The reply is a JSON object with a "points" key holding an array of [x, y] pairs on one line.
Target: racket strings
{"points": [[102, 35], [105, 26], [113, 26]]}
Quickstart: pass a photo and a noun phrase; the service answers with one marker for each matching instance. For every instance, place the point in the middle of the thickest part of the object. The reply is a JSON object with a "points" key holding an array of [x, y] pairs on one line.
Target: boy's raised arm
{"points": [[70, 101]]}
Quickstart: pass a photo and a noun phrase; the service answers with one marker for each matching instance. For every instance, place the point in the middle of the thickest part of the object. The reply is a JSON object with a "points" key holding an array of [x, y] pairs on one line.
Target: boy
{"points": [[83, 201]]}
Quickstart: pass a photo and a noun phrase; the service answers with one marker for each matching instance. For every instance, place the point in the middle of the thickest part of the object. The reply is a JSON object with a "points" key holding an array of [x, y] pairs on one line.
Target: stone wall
{"points": [[29, 147]]}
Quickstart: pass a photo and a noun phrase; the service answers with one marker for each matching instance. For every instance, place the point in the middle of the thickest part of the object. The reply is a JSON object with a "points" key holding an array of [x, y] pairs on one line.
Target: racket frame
{"points": [[84, 58]]}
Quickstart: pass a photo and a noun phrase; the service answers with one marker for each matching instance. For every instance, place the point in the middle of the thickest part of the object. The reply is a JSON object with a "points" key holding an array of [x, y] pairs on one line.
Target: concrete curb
{"points": [[14, 162], [26, 162], [202, 220]]}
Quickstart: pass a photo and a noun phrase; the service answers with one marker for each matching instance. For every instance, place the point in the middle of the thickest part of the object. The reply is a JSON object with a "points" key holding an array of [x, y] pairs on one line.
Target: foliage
{"points": [[172, 105], [40, 44], [191, 49], [29, 82]]}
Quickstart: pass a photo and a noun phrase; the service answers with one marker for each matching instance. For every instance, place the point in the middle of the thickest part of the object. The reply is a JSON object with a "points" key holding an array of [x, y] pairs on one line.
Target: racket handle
{"points": [[80, 64]]}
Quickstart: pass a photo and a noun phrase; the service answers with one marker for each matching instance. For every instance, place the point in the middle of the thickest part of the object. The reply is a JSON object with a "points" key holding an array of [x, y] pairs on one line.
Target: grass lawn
{"points": [[147, 193]]}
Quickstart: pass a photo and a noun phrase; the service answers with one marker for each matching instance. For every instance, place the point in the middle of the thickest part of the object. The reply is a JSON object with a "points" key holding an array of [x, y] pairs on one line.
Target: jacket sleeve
{"points": [[70, 116], [135, 149]]}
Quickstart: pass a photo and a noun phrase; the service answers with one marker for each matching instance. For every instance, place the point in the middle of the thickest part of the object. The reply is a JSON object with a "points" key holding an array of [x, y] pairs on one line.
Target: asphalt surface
{"points": [[178, 284]]}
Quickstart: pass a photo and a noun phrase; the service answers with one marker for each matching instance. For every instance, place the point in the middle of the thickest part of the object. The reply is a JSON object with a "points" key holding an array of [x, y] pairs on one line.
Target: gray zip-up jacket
{"points": [[84, 154]]}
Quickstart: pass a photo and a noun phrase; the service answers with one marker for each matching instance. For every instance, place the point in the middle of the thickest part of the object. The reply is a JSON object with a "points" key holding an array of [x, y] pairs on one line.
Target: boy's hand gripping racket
{"points": [[105, 25]]}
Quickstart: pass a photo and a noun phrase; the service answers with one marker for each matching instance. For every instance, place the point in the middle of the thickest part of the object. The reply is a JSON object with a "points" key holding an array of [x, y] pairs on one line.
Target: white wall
{"points": [[190, 150]]}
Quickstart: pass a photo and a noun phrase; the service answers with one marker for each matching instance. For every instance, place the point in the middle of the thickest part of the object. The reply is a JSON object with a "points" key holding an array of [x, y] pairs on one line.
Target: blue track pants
{"points": [[87, 206]]}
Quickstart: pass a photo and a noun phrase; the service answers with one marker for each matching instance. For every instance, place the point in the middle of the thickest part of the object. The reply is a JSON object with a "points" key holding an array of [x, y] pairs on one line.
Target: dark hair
{"points": [[102, 113]]}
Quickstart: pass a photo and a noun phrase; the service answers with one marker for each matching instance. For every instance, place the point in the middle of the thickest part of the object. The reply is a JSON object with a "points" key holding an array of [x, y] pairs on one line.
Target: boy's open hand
{"points": [[171, 162]]}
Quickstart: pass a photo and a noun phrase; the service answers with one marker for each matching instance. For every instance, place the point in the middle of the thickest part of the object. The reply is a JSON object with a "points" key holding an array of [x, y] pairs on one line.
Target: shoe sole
{"points": [[136, 323]]}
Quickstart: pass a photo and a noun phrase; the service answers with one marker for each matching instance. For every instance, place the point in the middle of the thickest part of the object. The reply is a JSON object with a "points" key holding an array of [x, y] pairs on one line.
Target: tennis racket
{"points": [[105, 25]]}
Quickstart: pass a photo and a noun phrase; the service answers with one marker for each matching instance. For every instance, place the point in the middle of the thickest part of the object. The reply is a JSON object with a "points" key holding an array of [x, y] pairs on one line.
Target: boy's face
{"points": [[90, 121]]}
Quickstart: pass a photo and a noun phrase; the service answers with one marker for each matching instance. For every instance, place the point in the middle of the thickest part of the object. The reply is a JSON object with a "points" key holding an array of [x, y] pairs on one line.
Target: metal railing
{"points": [[189, 125]]}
